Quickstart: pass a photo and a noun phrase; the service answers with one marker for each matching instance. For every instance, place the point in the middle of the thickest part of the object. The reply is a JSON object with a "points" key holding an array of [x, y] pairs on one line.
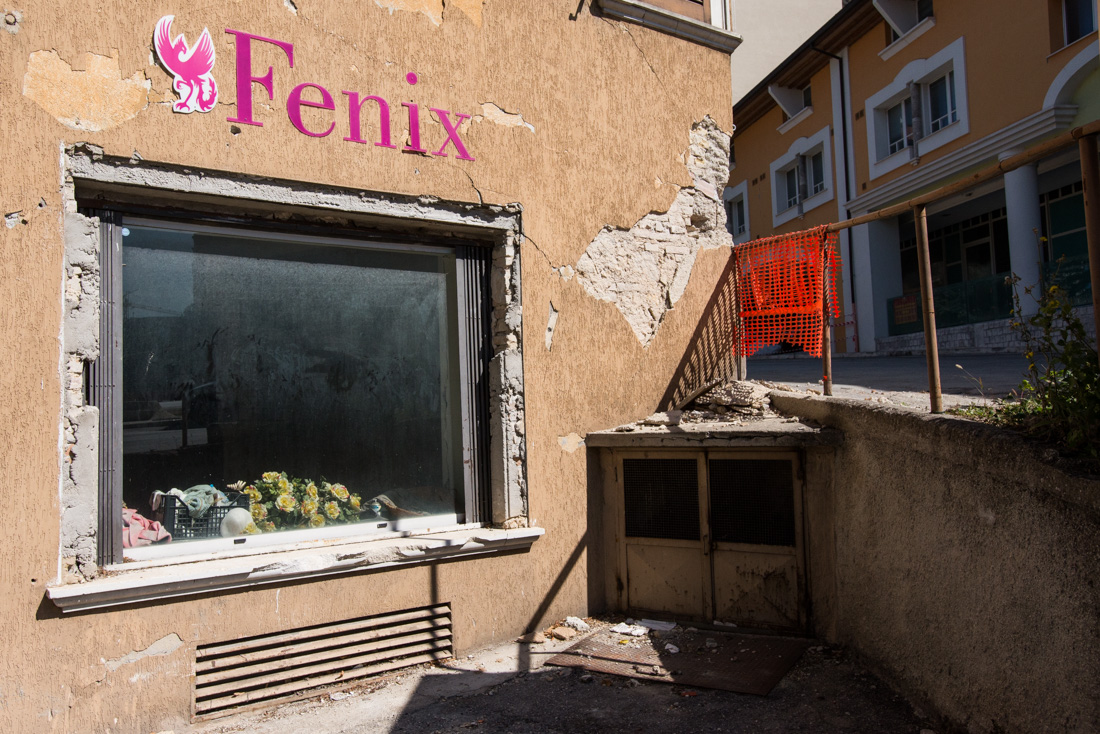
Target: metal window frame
{"points": [[473, 261]]}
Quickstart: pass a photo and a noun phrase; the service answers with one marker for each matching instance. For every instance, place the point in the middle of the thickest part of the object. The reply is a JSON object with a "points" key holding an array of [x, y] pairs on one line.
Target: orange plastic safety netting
{"points": [[781, 284]]}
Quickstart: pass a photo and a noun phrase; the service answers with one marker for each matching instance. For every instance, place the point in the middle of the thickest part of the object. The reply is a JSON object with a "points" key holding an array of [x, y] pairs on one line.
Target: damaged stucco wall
{"points": [[80, 421], [584, 122], [960, 564], [644, 270]]}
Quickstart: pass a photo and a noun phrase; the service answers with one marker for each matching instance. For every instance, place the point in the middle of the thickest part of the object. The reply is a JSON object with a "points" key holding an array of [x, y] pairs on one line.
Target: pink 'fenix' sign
{"points": [[191, 67]]}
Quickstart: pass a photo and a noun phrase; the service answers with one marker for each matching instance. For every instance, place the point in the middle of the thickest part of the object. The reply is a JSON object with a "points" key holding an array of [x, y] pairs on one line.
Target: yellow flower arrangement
{"points": [[279, 501]]}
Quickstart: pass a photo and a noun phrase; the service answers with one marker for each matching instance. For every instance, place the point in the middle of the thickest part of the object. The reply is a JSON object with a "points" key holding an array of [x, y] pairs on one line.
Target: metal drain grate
{"points": [[263, 670]]}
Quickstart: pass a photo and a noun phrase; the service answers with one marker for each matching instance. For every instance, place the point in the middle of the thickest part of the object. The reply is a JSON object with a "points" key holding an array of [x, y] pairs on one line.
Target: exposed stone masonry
{"points": [[645, 270]]}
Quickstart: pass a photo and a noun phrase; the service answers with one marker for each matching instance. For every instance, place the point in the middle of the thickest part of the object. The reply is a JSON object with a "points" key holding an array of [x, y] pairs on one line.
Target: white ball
{"points": [[235, 521]]}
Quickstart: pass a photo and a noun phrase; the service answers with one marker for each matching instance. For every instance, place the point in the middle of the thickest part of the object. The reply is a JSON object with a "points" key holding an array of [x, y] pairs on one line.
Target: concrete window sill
{"points": [[674, 24], [125, 584]]}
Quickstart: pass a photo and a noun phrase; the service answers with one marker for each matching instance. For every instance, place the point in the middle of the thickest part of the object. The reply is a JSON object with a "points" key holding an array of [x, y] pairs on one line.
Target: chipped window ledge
{"points": [[674, 24], [133, 583]]}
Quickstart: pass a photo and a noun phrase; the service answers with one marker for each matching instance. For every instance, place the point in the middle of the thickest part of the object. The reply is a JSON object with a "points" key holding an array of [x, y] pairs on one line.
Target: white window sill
{"points": [[197, 574], [794, 120], [910, 35], [666, 21]]}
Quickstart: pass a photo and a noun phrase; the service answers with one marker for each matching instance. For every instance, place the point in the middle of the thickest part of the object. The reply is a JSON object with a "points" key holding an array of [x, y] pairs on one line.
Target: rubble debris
{"points": [[577, 623], [654, 624], [634, 630], [564, 633], [533, 638]]}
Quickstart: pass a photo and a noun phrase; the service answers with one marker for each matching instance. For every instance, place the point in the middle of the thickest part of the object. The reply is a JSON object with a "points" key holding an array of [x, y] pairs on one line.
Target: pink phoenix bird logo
{"points": [[190, 65]]}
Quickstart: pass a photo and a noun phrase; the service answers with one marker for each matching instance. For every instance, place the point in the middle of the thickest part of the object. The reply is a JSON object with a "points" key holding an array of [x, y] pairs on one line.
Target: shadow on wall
{"points": [[709, 356]]}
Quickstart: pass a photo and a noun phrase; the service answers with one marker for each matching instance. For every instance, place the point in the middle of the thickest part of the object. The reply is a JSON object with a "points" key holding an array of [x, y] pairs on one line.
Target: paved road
{"points": [[992, 375]]}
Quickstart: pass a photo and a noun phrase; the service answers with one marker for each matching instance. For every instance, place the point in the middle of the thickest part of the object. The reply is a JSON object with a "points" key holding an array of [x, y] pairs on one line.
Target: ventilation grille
{"points": [[661, 498], [260, 671], [752, 501]]}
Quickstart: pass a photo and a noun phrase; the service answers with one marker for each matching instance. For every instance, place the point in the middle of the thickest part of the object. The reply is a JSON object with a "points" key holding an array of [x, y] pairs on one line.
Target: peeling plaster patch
{"points": [[12, 219], [645, 270], [164, 646], [491, 113], [95, 99], [472, 9], [12, 19], [570, 443], [431, 8], [291, 6], [550, 326]]}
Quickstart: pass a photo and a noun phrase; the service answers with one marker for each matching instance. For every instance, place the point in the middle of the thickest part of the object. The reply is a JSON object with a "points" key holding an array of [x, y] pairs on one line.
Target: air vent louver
{"points": [[261, 671]]}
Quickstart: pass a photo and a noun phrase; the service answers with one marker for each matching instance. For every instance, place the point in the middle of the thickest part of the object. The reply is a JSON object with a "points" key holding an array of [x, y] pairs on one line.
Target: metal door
{"points": [[756, 553], [713, 537], [663, 545]]}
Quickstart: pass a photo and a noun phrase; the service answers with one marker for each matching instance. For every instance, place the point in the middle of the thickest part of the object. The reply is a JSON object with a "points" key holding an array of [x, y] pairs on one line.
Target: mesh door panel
{"points": [[752, 501], [661, 498]]}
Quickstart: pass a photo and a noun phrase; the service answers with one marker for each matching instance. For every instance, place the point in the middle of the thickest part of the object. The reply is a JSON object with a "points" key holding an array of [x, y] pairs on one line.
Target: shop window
{"points": [[289, 386], [1078, 19]]}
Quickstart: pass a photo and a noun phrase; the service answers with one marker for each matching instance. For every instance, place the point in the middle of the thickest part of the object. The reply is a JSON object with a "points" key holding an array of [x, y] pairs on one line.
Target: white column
{"points": [[1022, 207], [862, 288]]}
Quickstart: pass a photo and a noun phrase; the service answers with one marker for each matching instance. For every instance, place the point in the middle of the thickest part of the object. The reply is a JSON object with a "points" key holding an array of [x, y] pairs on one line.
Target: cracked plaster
{"points": [[435, 10], [93, 99], [644, 270]]}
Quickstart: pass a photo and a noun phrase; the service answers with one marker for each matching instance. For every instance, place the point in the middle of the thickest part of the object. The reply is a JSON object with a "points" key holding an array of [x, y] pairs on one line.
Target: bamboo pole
{"points": [[1090, 177], [931, 347]]}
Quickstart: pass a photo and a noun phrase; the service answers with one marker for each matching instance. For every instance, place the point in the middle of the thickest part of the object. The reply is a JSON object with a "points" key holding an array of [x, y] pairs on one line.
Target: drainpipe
{"points": [[847, 175]]}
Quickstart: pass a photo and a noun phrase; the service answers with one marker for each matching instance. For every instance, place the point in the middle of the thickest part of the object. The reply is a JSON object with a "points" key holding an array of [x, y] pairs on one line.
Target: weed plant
{"points": [[1058, 401]]}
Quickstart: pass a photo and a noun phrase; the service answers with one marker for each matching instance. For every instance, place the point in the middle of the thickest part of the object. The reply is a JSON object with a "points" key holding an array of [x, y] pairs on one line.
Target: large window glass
{"points": [[897, 120], [941, 102], [1080, 18], [275, 383]]}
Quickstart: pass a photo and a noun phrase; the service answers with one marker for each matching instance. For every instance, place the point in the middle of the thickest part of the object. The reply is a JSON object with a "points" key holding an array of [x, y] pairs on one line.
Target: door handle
{"points": [[706, 544]]}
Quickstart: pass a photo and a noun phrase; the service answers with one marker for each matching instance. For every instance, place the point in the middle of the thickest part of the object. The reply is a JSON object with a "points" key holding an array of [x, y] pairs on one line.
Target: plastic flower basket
{"points": [[182, 526]]}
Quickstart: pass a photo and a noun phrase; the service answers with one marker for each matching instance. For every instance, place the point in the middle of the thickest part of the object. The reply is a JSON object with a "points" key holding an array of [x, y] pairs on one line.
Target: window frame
{"points": [[801, 153], [732, 196], [1065, 22], [474, 268], [948, 62]]}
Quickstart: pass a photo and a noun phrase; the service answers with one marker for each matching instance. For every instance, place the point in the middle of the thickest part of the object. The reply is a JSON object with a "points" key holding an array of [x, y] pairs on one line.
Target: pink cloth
{"points": [[138, 530]]}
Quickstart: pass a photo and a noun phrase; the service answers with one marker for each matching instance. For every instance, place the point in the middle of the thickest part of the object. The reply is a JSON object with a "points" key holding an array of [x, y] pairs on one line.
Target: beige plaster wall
{"points": [[607, 113], [966, 569]]}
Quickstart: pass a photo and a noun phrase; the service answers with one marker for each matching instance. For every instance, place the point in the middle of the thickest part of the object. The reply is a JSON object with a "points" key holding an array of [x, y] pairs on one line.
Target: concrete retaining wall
{"points": [[959, 564]]}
